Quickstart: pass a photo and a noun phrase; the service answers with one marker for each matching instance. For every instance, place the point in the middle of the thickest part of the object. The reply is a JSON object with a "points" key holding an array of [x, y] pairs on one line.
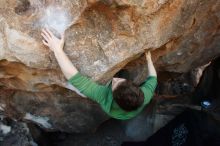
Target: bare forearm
{"points": [[56, 45], [65, 64], [151, 68]]}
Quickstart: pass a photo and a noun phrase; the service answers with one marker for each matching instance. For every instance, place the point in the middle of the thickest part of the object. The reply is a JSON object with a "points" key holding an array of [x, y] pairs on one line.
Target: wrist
{"points": [[58, 51], [149, 59]]}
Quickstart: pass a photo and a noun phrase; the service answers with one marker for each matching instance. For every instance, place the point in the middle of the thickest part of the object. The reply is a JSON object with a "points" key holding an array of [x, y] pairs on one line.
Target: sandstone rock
{"points": [[102, 37]]}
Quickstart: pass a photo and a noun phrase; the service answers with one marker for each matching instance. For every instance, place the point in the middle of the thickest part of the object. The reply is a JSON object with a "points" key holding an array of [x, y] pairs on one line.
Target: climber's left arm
{"points": [[56, 45], [89, 88], [85, 85]]}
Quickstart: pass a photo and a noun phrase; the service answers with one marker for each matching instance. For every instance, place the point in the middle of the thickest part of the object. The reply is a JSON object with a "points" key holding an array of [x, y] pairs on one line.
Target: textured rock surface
{"points": [[101, 38], [14, 133]]}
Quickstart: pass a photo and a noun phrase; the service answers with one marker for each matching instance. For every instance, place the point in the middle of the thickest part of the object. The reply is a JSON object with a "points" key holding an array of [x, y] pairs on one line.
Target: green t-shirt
{"points": [[103, 95]]}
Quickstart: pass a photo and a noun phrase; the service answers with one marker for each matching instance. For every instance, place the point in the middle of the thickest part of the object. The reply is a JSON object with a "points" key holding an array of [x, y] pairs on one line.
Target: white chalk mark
{"points": [[2, 107], [56, 18], [5, 129], [42, 121]]}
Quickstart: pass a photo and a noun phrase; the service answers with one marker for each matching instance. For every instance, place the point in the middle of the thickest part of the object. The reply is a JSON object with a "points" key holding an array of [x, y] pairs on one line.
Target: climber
{"points": [[122, 99]]}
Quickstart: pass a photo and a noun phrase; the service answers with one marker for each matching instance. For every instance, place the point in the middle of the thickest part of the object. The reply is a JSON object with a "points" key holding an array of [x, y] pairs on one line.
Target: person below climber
{"points": [[122, 99]]}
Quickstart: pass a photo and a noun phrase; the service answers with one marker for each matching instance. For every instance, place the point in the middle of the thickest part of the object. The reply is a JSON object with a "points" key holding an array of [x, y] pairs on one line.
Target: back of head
{"points": [[128, 96]]}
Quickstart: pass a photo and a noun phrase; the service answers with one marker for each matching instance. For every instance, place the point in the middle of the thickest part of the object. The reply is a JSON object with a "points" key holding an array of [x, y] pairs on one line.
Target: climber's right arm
{"points": [[56, 45], [150, 84]]}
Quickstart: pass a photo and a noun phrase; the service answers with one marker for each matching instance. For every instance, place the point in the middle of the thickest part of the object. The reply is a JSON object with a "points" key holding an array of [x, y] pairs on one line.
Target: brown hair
{"points": [[128, 96]]}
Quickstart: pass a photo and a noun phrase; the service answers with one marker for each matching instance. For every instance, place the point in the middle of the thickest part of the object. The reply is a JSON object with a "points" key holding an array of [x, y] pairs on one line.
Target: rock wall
{"points": [[102, 37]]}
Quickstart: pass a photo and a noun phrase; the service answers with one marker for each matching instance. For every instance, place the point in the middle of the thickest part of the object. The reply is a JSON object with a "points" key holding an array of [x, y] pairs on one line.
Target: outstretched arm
{"points": [[56, 45], [150, 65], [83, 84], [149, 86]]}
